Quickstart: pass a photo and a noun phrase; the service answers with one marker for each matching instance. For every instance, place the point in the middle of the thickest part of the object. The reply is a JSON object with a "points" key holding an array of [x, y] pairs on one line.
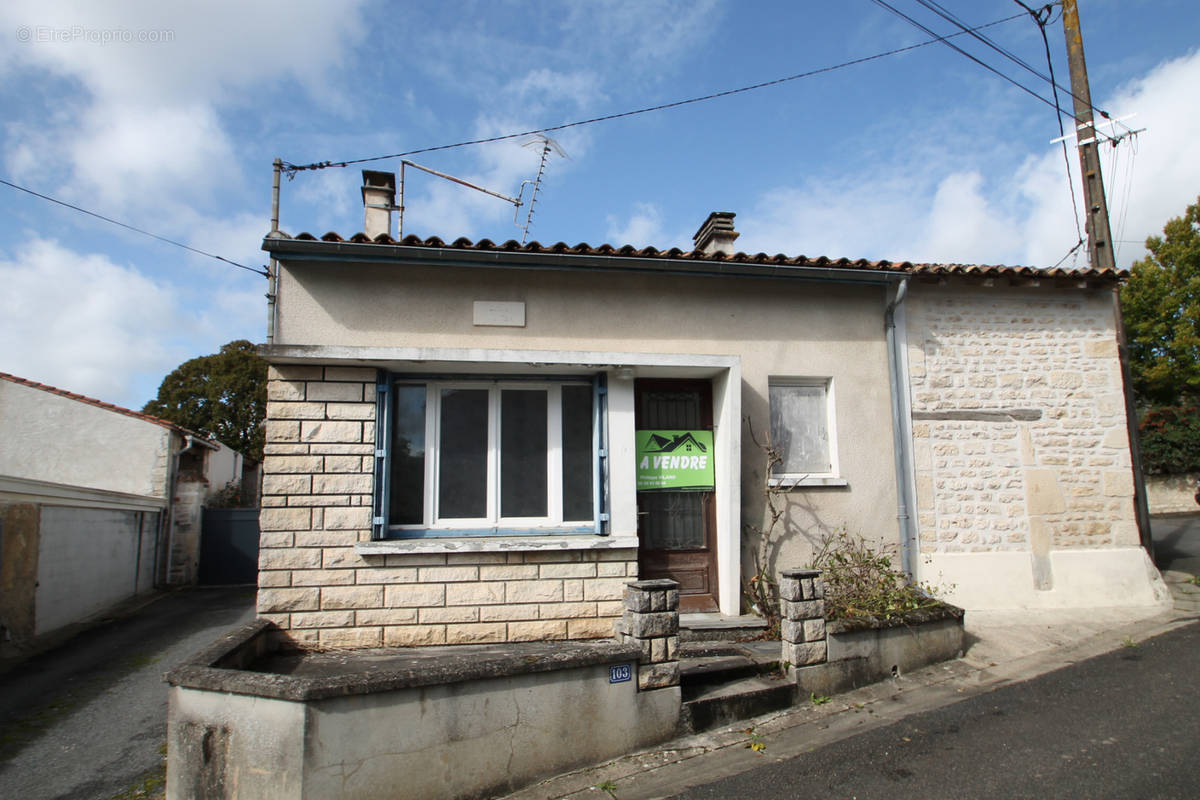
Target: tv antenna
{"points": [[548, 146]]}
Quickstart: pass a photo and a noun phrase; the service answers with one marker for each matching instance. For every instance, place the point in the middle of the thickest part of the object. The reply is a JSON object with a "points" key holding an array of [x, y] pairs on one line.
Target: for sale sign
{"points": [[675, 460]]}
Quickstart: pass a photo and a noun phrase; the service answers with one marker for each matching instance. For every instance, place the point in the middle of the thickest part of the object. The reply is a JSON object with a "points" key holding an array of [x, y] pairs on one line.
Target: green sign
{"points": [[675, 460]]}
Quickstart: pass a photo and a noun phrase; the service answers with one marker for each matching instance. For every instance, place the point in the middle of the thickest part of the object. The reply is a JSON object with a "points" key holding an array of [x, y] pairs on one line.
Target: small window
{"points": [[802, 431], [478, 457]]}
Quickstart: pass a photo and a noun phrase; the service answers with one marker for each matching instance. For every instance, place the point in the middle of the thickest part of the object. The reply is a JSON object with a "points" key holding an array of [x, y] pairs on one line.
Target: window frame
{"points": [[493, 524], [789, 480]]}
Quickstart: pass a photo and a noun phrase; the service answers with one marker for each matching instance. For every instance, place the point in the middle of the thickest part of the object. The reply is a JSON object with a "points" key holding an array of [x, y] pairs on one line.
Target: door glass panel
{"points": [[523, 453], [462, 468], [578, 467], [672, 520], [408, 456]]}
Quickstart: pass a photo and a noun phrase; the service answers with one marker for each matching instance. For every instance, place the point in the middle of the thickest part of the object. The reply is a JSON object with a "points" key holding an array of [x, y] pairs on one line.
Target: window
{"points": [[802, 430], [461, 457]]}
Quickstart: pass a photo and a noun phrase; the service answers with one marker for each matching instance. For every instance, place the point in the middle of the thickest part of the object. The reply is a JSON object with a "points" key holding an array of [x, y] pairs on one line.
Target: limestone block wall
{"points": [[316, 505], [1019, 429]]}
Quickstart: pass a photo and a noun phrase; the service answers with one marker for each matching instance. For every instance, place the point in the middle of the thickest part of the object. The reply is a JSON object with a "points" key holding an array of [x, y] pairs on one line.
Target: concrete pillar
{"points": [[802, 606], [651, 620]]}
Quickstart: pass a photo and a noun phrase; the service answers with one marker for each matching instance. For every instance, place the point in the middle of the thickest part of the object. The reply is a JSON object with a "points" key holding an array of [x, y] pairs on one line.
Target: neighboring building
{"points": [[472, 442], [97, 504]]}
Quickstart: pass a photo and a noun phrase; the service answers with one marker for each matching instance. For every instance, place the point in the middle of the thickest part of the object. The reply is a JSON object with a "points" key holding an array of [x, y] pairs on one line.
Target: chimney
{"points": [[379, 201], [716, 235]]}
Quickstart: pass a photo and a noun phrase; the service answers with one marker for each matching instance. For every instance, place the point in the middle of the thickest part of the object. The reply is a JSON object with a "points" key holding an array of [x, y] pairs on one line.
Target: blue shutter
{"points": [[383, 454]]}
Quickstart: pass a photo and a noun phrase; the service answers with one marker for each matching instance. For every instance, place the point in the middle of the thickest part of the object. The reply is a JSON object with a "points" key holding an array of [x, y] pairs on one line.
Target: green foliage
{"points": [[222, 395], [1161, 308], [818, 699], [608, 787], [1170, 438], [860, 580]]}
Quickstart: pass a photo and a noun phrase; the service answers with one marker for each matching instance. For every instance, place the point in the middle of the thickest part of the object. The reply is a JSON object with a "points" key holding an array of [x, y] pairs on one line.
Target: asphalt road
{"points": [[89, 719], [1122, 725]]}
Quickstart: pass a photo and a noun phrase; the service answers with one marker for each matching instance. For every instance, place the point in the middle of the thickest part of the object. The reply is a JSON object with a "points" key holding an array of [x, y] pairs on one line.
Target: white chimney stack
{"points": [[716, 235], [379, 201]]}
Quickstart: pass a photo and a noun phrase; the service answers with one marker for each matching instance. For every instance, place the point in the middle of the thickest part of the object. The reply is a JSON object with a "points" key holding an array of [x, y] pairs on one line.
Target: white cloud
{"points": [[644, 227], [143, 128], [85, 324]]}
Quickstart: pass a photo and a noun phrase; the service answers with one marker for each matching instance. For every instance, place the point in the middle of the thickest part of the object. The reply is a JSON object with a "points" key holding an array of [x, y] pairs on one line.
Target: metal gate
{"points": [[229, 546]]}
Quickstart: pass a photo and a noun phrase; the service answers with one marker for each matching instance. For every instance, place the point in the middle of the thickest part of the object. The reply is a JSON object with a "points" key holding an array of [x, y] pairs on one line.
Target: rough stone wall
{"points": [[1018, 420], [316, 505]]}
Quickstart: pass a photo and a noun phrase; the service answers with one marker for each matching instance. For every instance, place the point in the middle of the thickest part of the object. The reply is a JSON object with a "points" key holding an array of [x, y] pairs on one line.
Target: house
{"points": [[97, 505], [467, 441]]}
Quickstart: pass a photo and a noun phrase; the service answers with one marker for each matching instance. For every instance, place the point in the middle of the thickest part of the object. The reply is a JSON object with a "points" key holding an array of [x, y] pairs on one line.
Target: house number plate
{"points": [[619, 674]]}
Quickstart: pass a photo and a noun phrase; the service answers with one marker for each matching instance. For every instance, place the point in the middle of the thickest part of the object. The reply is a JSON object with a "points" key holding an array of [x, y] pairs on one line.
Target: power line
{"points": [[1058, 115], [132, 228], [946, 40], [1041, 16], [292, 169]]}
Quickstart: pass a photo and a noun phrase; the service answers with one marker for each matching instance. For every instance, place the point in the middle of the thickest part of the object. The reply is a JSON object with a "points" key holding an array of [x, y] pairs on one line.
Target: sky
{"points": [[167, 116]]}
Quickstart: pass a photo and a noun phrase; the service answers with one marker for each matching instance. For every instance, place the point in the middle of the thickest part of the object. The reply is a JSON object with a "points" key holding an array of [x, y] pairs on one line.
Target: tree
{"points": [[1161, 307], [223, 395]]}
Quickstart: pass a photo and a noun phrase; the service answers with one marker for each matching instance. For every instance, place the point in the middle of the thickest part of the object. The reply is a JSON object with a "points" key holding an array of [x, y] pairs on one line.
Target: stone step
{"points": [[708, 627], [736, 700]]}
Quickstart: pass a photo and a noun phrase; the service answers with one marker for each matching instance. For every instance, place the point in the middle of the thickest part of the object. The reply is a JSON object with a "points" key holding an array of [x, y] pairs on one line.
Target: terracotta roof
{"points": [[91, 401], [628, 251]]}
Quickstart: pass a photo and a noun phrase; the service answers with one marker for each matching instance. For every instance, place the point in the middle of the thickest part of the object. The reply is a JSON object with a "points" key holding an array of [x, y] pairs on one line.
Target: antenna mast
{"points": [[548, 146]]}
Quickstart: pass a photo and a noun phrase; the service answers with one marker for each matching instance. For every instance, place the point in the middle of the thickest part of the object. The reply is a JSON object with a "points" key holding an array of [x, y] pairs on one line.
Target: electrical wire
{"points": [[135, 230], [292, 169], [945, 40], [1058, 113], [1041, 20]]}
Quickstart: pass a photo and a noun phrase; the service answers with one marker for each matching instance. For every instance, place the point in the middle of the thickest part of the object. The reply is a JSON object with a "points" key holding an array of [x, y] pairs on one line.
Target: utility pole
{"points": [[1100, 249]]}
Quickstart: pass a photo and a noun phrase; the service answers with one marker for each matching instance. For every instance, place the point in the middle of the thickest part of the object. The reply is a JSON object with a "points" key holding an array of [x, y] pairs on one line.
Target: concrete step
{"points": [[736, 700], [709, 627]]}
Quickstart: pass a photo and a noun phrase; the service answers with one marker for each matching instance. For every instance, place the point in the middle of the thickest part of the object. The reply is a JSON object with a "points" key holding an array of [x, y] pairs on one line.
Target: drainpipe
{"points": [[901, 435]]}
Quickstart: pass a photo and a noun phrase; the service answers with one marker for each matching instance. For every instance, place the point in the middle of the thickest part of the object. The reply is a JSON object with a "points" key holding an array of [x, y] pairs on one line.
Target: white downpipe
{"points": [[898, 381]]}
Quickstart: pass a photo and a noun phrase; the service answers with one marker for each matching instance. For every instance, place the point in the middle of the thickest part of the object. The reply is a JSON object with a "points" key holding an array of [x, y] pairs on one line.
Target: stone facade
{"points": [[316, 506], [1019, 429]]}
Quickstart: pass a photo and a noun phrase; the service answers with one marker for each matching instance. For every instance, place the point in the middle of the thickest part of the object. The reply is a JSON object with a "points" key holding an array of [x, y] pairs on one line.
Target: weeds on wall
{"points": [[860, 578], [861, 581]]}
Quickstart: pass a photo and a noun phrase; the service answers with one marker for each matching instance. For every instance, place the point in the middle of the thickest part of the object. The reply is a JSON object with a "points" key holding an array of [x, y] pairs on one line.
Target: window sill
{"points": [[494, 544], [806, 481]]}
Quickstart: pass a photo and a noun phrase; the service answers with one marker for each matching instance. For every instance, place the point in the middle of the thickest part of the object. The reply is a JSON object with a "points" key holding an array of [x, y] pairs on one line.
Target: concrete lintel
{"points": [[476, 358], [494, 544], [982, 415]]}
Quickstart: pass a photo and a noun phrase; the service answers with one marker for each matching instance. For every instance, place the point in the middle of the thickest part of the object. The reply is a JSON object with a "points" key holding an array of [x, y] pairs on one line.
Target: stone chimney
{"points": [[379, 201], [716, 235]]}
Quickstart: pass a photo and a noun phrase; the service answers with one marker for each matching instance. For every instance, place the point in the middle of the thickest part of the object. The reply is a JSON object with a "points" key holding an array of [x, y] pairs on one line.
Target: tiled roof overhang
{"points": [[513, 255]]}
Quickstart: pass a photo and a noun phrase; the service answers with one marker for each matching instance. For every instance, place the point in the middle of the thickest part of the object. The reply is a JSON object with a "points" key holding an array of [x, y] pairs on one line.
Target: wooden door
{"points": [[677, 528]]}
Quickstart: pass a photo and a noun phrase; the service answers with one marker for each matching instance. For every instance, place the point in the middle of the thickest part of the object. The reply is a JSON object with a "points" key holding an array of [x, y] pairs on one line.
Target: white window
{"points": [[802, 431], [463, 457]]}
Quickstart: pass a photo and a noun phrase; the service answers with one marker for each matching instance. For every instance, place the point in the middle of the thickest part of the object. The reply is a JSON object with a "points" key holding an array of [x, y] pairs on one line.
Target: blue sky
{"points": [[167, 115]]}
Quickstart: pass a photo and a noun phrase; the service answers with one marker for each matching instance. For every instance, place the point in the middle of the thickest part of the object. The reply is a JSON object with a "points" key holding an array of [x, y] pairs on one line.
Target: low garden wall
{"points": [[1172, 494]]}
